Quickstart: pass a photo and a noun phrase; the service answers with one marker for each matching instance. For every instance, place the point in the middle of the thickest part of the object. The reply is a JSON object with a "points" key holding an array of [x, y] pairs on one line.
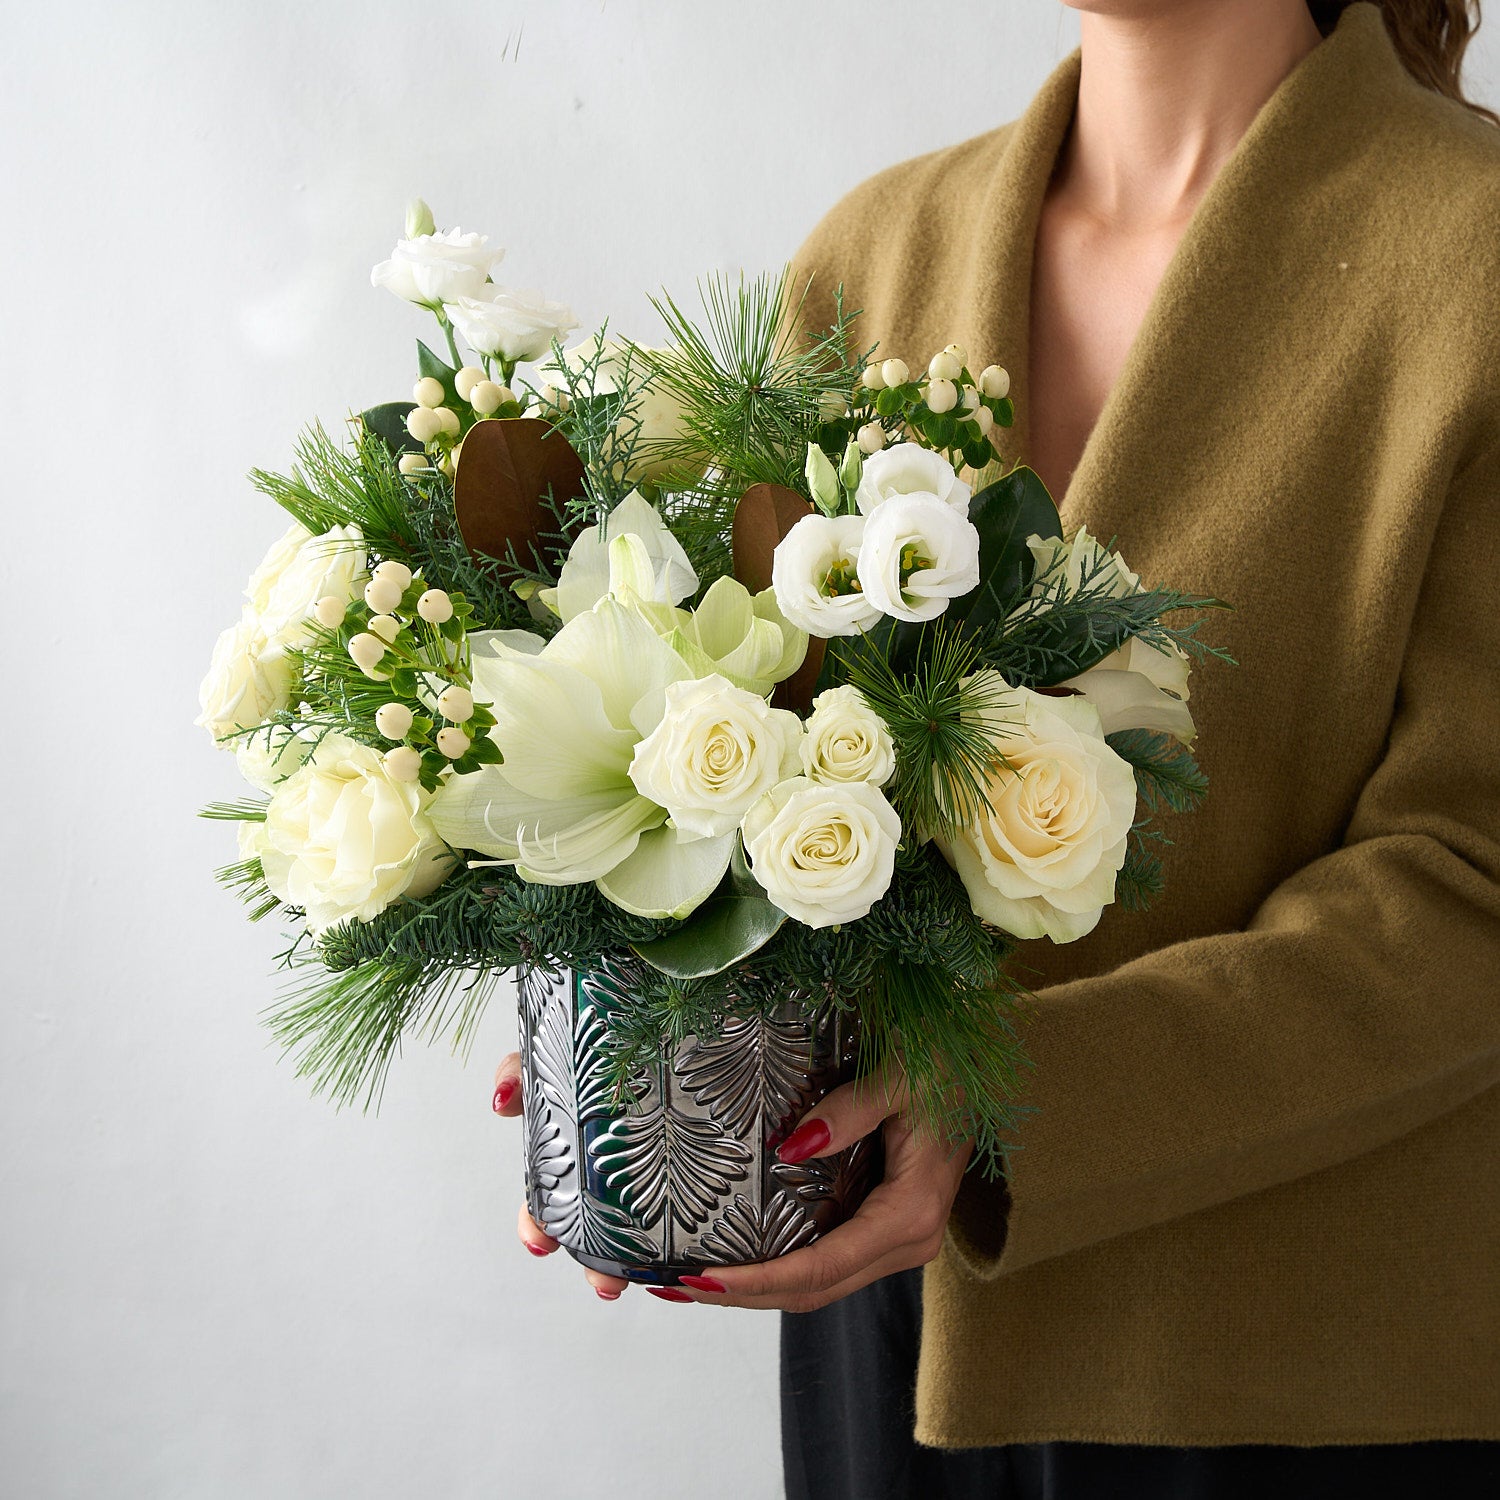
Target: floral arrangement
{"points": [[737, 664]]}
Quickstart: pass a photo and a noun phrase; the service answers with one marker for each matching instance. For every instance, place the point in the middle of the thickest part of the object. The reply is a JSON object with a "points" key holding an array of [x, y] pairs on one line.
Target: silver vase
{"points": [[684, 1173]]}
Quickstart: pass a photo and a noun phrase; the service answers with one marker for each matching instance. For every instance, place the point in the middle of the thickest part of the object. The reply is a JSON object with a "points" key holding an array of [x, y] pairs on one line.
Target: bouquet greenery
{"points": [[737, 663]]}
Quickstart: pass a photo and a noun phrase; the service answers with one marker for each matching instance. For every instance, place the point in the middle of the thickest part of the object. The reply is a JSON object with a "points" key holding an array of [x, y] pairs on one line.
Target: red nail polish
{"points": [[810, 1138], [504, 1094], [668, 1294], [703, 1283], [536, 1249], [606, 1296]]}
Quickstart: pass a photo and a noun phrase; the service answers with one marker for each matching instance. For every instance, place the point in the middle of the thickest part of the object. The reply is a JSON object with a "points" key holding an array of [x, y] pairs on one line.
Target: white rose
{"points": [[1061, 568], [342, 839], [716, 750], [436, 268], [814, 573], [299, 570], [847, 740], [1043, 861], [825, 854], [918, 553], [268, 758], [909, 469], [512, 326], [248, 679]]}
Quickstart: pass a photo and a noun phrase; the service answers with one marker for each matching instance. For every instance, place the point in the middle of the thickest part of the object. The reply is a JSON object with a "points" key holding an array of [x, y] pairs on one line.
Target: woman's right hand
{"points": [[508, 1102]]}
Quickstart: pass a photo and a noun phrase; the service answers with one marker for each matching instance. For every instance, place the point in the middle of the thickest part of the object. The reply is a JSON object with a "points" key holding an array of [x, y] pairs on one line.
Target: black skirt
{"points": [[848, 1374]]}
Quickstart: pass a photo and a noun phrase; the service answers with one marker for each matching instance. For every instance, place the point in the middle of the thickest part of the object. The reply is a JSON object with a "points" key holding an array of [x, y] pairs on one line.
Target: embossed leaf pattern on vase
{"points": [[747, 1233], [755, 1071]]}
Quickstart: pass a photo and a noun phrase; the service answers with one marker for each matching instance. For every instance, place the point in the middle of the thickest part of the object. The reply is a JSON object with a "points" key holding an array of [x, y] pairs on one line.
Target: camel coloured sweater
{"points": [[1260, 1199]]}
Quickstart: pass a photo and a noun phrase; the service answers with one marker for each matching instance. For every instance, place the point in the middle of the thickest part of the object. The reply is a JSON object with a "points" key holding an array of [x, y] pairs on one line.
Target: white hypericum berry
{"points": [[870, 437], [397, 572], [428, 392], [366, 651], [994, 382], [412, 463], [872, 379], [382, 595], [404, 763], [944, 367], [387, 627], [549, 395], [456, 703], [393, 720], [942, 396], [450, 422], [329, 611], [894, 372], [986, 419], [423, 423], [487, 397], [453, 742], [466, 379], [435, 607], [957, 351], [970, 402], [832, 406]]}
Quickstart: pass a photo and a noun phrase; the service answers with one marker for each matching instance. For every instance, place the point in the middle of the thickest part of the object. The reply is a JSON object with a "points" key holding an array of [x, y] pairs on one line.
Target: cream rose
{"points": [[909, 469], [1043, 861], [342, 839], [846, 740], [918, 553], [248, 679], [716, 750], [431, 269], [300, 569], [268, 758], [814, 572], [825, 854]]}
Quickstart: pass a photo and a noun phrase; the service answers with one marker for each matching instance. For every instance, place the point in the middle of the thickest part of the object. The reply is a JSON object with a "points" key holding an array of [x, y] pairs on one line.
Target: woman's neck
{"points": [[1165, 96]]}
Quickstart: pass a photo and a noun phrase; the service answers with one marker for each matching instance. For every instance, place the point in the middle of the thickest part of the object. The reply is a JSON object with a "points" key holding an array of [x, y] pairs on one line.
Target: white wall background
{"points": [[215, 1286]]}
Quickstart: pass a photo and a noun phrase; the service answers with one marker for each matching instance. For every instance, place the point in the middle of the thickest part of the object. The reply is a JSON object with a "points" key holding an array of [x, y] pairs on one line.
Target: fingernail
{"points": [[810, 1138], [536, 1249], [504, 1094], [606, 1295], [703, 1283], [668, 1294]]}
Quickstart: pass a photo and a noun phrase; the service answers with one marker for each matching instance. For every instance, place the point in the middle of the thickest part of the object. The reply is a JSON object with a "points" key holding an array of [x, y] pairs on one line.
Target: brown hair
{"points": [[1430, 38]]}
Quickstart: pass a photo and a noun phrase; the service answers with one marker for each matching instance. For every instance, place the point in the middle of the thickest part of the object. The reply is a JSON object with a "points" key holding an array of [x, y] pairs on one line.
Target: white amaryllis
{"points": [[909, 469], [509, 325], [343, 839], [300, 569], [248, 679], [824, 854], [432, 269], [1043, 861], [562, 807], [847, 740], [716, 750], [918, 553], [814, 574], [585, 576]]}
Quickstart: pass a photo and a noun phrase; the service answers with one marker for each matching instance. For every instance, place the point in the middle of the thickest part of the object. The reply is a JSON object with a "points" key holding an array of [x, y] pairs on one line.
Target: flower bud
{"points": [[466, 379], [423, 423], [944, 367], [404, 763], [871, 437], [435, 607], [851, 467], [453, 742], [428, 392], [994, 382], [329, 611], [397, 572], [366, 652], [487, 397], [393, 720], [957, 351], [872, 379], [382, 595], [942, 396], [450, 423], [387, 627], [456, 703], [894, 372], [419, 220], [412, 463], [822, 481]]}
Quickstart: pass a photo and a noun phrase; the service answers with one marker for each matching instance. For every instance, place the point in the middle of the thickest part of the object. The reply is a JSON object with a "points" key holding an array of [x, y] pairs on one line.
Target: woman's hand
{"points": [[900, 1225]]}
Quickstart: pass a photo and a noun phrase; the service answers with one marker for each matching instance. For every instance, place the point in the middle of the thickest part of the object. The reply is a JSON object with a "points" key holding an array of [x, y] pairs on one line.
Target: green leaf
{"points": [[388, 423], [1005, 513], [440, 370]]}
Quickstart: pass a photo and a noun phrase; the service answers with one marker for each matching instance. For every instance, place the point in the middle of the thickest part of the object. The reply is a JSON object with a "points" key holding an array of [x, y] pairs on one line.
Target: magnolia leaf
{"points": [[765, 513], [1005, 513], [388, 423], [507, 468]]}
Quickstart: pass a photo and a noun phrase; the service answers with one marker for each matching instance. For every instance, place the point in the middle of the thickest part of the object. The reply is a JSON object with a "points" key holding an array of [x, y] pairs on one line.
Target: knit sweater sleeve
{"points": [[1361, 1001]]}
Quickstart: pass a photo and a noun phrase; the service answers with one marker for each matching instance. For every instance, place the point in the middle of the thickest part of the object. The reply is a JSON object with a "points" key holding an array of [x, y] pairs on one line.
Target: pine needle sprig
{"points": [[246, 879]]}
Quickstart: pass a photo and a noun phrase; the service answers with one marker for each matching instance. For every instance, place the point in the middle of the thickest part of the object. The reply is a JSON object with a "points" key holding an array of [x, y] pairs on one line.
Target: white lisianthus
{"points": [[298, 571], [918, 553], [268, 758], [248, 679], [513, 326], [432, 269], [847, 740], [909, 469], [1043, 861], [343, 839], [716, 750], [814, 574], [825, 854], [585, 576]]}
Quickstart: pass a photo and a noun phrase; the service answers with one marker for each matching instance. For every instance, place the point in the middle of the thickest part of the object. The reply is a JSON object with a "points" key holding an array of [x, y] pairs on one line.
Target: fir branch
{"points": [[1140, 880], [1166, 775]]}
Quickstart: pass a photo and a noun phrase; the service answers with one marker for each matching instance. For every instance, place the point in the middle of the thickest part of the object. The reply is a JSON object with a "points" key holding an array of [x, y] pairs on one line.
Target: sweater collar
{"points": [[1327, 108]]}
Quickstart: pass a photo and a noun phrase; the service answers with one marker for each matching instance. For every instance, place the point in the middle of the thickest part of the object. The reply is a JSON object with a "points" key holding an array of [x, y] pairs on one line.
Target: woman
{"points": [[1247, 279]]}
